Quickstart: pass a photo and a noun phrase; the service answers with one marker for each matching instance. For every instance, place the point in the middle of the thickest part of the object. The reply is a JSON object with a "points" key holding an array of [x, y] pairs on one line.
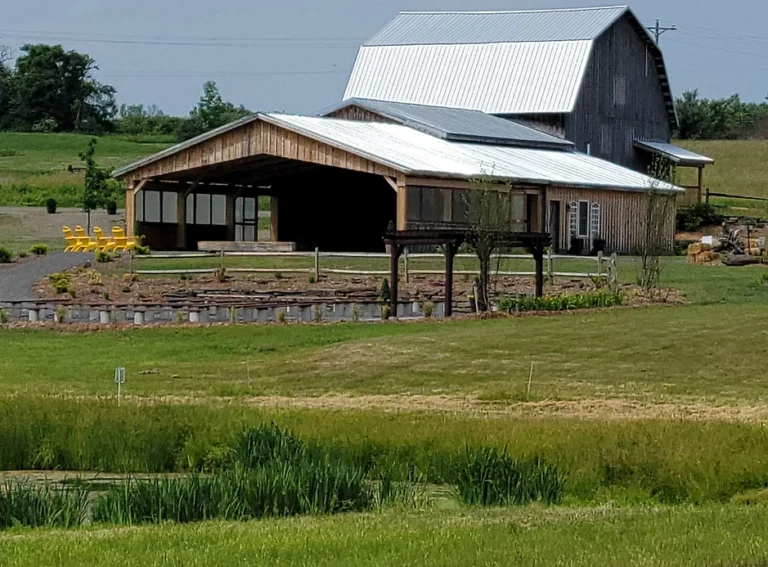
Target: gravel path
{"points": [[17, 281]]}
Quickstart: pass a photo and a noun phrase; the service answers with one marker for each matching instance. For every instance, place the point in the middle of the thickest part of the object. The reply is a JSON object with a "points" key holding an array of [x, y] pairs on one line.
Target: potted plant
{"points": [[112, 207], [50, 206]]}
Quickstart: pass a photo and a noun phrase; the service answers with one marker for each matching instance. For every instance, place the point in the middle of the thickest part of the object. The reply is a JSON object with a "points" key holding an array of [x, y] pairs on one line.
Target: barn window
{"points": [[206, 209], [156, 207], [583, 219], [620, 91]]}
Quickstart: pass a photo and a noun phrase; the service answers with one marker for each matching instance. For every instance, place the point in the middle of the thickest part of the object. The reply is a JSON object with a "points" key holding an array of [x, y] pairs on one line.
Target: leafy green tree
{"points": [[98, 191], [57, 86], [5, 84], [136, 119], [719, 119], [211, 112]]}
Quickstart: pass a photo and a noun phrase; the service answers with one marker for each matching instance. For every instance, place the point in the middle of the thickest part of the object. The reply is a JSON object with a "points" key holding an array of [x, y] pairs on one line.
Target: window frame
{"points": [[586, 219]]}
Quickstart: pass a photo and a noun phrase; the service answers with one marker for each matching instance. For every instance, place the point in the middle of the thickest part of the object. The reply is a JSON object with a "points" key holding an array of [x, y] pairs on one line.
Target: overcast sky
{"points": [[296, 55]]}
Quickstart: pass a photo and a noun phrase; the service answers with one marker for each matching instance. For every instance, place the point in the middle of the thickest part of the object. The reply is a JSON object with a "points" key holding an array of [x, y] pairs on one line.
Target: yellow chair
{"points": [[122, 242], [84, 242], [104, 243], [71, 239]]}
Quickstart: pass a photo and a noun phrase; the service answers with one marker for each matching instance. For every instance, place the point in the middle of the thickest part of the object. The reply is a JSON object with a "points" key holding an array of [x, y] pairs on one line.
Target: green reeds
{"points": [[491, 477], [24, 504]]}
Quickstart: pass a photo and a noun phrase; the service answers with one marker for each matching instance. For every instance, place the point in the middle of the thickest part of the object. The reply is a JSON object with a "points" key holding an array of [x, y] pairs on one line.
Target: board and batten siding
{"points": [[621, 99], [620, 217]]}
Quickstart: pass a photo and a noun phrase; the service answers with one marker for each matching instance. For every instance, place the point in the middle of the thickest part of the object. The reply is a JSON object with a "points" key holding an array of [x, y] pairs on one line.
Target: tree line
{"points": [[48, 89]]}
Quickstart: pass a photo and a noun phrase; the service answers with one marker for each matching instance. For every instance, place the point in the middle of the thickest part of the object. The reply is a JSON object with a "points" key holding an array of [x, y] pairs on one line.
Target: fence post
{"points": [[707, 196], [405, 266], [317, 264], [614, 279], [550, 267], [221, 262], [599, 265]]}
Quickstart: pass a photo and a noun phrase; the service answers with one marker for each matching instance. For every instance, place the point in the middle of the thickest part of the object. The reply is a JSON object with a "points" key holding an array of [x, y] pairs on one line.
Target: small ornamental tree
{"points": [[97, 188], [490, 211]]}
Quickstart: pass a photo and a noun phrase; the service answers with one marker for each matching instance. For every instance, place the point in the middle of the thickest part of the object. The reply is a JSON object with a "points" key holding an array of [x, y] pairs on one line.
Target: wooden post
{"points": [[550, 267], [394, 268], [317, 264], [538, 254], [450, 251], [614, 272], [599, 264], [229, 215], [181, 219], [707, 196], [701, 183], [405, 266], [273, 219]]}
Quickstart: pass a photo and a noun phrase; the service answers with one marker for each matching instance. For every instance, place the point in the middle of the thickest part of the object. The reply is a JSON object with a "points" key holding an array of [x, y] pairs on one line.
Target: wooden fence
{"points": [[605, 266]]}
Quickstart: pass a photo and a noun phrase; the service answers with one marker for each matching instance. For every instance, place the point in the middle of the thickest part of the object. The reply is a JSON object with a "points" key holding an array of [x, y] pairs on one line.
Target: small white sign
{"points": [[120, 375]]}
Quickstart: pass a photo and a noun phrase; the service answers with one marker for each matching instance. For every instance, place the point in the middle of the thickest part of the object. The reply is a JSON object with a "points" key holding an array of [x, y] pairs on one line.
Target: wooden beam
{"points": [[439, 183], [140, 186], [401, 220], [392, 182]]}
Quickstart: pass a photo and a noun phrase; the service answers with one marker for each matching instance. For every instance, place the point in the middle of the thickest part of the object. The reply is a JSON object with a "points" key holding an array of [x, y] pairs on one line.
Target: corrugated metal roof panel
{"points": [[676, 154], [500, 78], [433, 28], [417, 153], [458, 124]]}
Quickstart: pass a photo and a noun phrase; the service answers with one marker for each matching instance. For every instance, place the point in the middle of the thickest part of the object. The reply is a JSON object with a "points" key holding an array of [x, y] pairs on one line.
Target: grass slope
{"points": [[33, 167], [670, 537]]}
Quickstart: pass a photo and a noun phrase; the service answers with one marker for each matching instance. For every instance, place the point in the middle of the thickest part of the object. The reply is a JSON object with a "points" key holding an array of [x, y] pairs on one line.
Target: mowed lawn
{"points": [[590, 537]]}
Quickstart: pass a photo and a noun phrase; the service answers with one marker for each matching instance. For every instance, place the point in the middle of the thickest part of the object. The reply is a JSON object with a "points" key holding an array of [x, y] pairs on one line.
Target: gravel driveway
{"points": [[17, 281]]}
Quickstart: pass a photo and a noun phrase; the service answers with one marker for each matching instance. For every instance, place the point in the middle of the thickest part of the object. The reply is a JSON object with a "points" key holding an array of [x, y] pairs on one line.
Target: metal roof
{"points": [[432, 28], [416, 153], [498, 78], [458, 124], [676, 154]]}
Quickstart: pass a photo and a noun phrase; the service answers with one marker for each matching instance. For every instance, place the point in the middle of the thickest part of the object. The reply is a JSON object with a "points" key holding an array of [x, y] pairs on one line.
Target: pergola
{"points": [[451, 240]]}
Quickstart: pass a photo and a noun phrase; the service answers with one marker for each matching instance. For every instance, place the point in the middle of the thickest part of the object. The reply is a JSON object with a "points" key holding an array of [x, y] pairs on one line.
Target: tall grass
{"points": [[42, 506], [489, 476]]}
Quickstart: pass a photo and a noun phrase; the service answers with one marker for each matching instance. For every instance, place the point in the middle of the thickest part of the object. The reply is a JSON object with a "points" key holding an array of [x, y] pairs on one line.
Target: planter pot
{"points": [[112, 208]]}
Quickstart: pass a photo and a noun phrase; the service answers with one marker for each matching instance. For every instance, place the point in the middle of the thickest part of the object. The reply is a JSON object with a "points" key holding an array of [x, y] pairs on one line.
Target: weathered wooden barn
{"points": [[593, 76], [338, 183]]}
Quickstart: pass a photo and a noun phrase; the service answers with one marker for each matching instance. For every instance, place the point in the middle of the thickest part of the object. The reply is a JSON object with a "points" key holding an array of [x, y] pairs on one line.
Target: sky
{"points": [[296, 55]]}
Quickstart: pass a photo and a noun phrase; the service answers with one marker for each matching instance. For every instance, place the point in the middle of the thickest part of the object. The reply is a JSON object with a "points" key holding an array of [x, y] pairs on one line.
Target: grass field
{"points": [[720, 536], [655, 415], [34, 167]]}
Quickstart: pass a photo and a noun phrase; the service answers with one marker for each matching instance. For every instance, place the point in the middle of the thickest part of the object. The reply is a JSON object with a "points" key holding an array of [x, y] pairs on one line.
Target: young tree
{"points": [[6, 85], [655, 224], [211, 112], [492, 208], [97, 188]]}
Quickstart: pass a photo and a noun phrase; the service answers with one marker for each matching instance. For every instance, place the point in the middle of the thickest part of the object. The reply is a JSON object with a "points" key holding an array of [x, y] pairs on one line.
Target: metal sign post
{"points": [[119, 380]]}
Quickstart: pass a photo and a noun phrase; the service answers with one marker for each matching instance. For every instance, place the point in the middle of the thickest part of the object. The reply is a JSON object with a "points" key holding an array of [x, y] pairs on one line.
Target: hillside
{"points": [[34, 167]]}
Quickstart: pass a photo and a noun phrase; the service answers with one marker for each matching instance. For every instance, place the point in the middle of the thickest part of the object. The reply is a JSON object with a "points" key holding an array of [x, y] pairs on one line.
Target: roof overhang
{"points": [[677, 155]]}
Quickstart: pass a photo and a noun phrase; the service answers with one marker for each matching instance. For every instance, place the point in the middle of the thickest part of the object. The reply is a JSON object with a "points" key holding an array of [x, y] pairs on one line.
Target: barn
{"points": [[550, 102]]}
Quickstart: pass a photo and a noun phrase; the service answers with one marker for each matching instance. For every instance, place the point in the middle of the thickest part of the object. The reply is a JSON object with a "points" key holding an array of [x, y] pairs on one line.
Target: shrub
{"points": [[3, 317], [489, 476], [386, 312], [50, 205], [94, 278], [142, 250], [562, 302], [429, 308], [311, 279], [23, 254], [357, 312], [61, 282], [701, 214], [44, 506], [385, 294], [281, 316], [317, 314], [103, 257], [39, 249], [5, 256]]}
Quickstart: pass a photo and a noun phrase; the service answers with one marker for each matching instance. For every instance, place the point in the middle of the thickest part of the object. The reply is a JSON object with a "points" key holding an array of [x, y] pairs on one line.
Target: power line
{"points": [[658, 30], [171, 74]]}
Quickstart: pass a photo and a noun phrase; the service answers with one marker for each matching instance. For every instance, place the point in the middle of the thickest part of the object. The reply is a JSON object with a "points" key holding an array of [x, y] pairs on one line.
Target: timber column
{"points": [[130, 208]]}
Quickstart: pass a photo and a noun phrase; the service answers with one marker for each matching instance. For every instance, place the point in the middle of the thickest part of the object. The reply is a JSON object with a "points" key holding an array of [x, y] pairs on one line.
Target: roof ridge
{"points": [[530, 11]]}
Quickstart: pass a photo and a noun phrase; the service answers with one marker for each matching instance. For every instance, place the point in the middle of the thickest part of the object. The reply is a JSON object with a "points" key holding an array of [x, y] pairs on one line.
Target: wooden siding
{"points": [[255, 139], [620, 217], [359, 114], [621, 99]]}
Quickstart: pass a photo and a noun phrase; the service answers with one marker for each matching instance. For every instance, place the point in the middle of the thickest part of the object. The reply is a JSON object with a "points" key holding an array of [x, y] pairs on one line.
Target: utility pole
{"points": [[658, 30]]}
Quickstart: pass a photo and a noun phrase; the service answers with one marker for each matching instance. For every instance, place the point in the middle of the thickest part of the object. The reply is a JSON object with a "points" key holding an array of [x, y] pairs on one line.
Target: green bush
{"points": [[103, 257], [6, 257], [143, 251], [61, 282], [385, 294], [594, 300], [489, 476], [39, 249], [702, 214]]}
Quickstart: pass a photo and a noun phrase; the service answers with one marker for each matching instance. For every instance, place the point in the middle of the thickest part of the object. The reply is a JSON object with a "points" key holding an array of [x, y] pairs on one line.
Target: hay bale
{"points": [[706, 247], [694, 249], [707, 257], [753, 251]]}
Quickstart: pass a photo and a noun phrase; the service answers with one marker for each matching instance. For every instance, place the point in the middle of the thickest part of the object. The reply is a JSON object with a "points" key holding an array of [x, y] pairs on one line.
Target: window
{"points": [[246, 219], [206, 209], [156, 207], [583, 219]]}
